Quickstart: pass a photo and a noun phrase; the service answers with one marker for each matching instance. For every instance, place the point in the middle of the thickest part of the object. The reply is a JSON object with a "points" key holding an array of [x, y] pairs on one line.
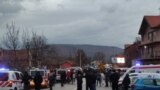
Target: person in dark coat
{"points": [[87, 75], [26, 79], [38, 80], [63, 78], [92, 80], [51, 80], [126, 82], [79, 80], [107, 78], [114, 77], [99, 78]]}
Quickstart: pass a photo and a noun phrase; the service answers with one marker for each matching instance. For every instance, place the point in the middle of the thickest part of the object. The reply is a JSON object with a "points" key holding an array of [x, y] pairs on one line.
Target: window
{"points": [[158, 82], [4, 76], [148, 82], [17, 76], [33, 73], [150, 36]]}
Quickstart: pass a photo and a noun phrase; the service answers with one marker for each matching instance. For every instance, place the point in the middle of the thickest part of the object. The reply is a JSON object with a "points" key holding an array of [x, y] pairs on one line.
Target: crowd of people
{"points": [[93, 78]]}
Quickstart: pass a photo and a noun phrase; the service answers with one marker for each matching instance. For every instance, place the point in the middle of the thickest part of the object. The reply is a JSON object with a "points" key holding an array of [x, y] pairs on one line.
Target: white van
{"points": [[44, 73], [58, 73], [10, 80], [141, 69]]}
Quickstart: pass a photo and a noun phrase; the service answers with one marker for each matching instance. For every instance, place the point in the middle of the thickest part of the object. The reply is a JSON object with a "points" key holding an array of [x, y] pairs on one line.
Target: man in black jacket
{"points": [[25, 79], [79, 80], [38, 80], [114, 77], [126, 82], [63, 78]]}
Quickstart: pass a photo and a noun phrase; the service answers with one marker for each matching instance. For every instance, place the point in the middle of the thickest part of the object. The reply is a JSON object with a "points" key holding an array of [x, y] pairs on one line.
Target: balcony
{"points": [[151, 41], [155, 55]]}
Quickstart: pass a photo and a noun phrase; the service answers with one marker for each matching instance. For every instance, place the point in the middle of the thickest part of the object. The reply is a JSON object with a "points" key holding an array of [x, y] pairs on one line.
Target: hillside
{"points": [[66, 50]]}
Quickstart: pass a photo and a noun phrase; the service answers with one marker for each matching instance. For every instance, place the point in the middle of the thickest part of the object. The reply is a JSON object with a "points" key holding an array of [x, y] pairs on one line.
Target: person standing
{"points": [[99, 78], [92, 79], [68, 76], [38, 80], [51, 80], [114, 80], [63, 78], [79, 80], [106, 78], [25, 80], [126, 82]]}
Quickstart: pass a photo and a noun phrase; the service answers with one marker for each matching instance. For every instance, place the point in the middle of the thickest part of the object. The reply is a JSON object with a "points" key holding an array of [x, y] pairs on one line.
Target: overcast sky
{"points": [[98, 22]]}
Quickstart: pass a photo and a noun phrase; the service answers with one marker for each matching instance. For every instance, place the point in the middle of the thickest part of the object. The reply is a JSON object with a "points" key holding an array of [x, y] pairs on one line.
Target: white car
{"points": [[10, 80], [58, 73]]}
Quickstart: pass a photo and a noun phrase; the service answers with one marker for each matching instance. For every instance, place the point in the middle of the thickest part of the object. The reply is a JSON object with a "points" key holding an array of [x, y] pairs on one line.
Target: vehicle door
{"points": [[4, 77], [18, 80]]}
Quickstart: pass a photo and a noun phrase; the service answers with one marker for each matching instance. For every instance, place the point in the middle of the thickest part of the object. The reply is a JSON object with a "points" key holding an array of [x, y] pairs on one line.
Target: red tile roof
{"points": [[152, 21]]}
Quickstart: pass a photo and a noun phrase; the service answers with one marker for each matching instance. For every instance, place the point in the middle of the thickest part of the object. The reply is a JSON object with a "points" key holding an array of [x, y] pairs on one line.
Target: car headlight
{"points": [[43, 83], [31, 83]]}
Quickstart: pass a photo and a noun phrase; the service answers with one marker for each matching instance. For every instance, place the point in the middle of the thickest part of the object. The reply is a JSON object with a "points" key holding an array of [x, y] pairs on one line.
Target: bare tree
{"points": [[11, 40], [38, 46], [26, 43], [100, 56], [137, 40]]}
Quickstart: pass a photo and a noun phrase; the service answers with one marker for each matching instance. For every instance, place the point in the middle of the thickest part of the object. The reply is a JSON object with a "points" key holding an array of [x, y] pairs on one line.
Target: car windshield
{"points": [[33, 73], [148, 82], [59, 72], [3, 76]]}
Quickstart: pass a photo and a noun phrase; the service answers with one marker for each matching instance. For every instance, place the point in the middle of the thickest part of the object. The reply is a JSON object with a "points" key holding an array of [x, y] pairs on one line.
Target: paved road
{"points": [[73, 87]]}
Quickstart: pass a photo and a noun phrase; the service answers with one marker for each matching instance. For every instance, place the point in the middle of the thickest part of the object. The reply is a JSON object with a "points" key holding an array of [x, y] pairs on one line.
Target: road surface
{"points": [[73, 87]]}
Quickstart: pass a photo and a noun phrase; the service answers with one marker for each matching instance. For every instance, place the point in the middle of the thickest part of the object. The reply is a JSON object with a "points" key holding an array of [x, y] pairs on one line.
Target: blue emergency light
{"points": [[4, 69]]}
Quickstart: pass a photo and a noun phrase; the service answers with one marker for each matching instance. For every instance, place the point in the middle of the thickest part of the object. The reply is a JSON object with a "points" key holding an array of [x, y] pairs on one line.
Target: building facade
{"points": [[132, 54], [150, 40]]}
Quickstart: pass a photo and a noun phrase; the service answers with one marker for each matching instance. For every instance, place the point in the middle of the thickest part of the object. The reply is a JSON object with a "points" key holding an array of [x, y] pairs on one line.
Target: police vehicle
{"points": [[10, 80], [150, 82]]}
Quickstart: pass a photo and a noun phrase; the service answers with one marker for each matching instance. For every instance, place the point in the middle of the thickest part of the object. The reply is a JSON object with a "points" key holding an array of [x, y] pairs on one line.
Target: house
{"points": [[150, 40], [132, 54], [66, 64]]}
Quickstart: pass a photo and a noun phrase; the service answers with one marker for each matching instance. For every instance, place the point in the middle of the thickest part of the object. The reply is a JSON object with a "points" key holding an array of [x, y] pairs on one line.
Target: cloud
{"points": [[10, 6], [101, 22]]}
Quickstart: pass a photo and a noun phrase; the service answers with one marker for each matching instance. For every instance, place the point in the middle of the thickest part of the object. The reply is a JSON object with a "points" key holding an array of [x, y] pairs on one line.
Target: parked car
{"points": [[147, 83]]}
